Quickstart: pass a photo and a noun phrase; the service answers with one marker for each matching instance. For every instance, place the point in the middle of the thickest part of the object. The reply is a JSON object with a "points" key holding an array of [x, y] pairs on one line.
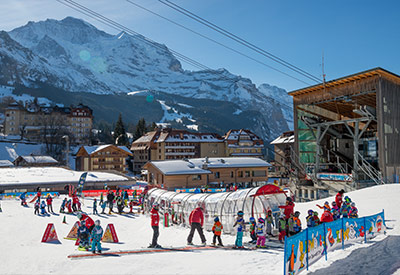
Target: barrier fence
{"points": [[14, 195], [308, 246]]}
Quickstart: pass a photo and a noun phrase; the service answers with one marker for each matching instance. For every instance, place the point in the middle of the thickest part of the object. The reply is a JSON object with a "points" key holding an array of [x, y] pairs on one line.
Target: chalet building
{"points": [[243, 143], [35, 161], [33, 121], [170, 144], [347, 133], [189, 173], [102, 157], [283, 154], [4, 163]]}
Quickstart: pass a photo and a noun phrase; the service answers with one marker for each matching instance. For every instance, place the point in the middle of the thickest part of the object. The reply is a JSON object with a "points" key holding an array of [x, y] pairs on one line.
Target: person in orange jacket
{"points": [[217, 230]]}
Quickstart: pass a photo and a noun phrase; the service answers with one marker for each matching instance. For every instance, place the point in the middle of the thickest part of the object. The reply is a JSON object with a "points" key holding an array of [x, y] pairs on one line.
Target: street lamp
{"points": [[67, 149]]}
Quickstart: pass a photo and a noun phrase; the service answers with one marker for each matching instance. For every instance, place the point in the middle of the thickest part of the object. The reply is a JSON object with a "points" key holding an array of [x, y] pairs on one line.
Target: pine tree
{"points": [[140, 129], [119, 136], [152, 127]]}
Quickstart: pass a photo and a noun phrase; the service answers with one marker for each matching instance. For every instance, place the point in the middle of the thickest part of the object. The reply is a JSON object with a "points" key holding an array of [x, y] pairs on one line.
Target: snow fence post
{"points": [[325, 247], [343, 233], [307, 247], [284, 257], [365, 230]]}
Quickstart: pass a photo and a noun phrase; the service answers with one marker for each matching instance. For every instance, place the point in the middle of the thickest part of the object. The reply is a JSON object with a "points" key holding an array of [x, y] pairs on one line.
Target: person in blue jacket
{"points": [[96, 235], [43, 208], [240, 228], [310, 218], [23, 199], [83, 236]]}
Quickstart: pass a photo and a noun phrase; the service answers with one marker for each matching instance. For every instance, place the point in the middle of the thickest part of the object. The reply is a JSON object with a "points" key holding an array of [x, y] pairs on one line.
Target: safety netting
{"points": [[254, 202]]}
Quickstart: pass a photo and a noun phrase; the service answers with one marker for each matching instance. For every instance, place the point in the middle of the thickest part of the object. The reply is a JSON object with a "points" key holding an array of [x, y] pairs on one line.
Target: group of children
{"points": [[89, 234], [41, 205]]}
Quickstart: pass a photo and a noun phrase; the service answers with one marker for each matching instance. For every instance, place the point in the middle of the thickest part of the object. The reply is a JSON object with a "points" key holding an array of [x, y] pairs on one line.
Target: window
{"points": [[240, 174], [231, 174], [216, 175], [247, 174], [259, 173], [196, 177], [311, 194]]}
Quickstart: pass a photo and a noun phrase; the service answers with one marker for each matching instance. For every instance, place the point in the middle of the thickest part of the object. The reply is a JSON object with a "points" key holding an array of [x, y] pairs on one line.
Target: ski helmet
{"points": [[261, 220], [353, 204], [310, 212], [79, 215], [240, 213], [297, 213], [83, 222], [333, 203], [252, 219], [216, 219], [315, 213], [289, 199], [97, 222], [155, 205]]}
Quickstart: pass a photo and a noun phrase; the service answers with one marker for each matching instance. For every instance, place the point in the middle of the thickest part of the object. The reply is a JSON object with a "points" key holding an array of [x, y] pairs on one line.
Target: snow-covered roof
{"points": [[196, 166], [93, 149], [6, 163], [39, 159], [283, 139], [46, 175]]}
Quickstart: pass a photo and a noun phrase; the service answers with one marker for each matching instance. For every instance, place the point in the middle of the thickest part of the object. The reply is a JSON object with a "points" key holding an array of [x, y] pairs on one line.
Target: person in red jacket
{"points": [[289, 208], [339, 198], [155, 220], [196, 220], [88, 220], [326, 216]]}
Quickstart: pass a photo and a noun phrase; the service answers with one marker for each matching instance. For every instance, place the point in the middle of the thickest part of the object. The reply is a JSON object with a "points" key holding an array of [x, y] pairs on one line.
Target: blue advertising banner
{"points": [[308, 246]]}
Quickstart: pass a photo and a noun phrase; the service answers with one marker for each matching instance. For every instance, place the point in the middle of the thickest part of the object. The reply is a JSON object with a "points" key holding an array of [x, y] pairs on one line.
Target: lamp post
{"points": [[67, 149]]}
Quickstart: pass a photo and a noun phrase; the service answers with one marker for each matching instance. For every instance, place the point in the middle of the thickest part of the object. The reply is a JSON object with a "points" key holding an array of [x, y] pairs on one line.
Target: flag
{"points": [[81, 182]]}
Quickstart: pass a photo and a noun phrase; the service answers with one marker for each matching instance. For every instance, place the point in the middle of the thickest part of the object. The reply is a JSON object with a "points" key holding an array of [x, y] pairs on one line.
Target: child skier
{"points": [[290, 226], [335, 214], [310, 219], [96, 234], [316, 219], [241, 227], [95, 207], [101, 198], [49, 201], [217, 230], [270, 222], [83, 236], [353, 211], [296, 222], [345, 209], [260, 230], [131, 206], [282, 227], [69, 206], [43, 208], [103, 207], [253, 234], [63, 204], [23, 199], [37, 206]]}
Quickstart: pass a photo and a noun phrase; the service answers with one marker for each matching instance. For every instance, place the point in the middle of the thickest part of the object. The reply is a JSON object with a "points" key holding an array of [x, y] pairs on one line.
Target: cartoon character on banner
{"points": [[292, 261], [302, 254], [350, 232], [379, 224], [330, 237]]}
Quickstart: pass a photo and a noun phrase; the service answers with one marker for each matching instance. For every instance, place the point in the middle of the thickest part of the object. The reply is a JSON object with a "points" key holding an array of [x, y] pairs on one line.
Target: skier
{"points": [[75, 203], [339, 198], [88, 221], [196, 220], [120, 205], [49, 201], [110, 200], [95, 235], [261, 232], [126, 198], [69, 206], [101, 198], [345, 209], [253, 226], [316, 219], [63, 204], [269, 219], [310, 219], [155, 220], [23, 199], [43, 208], [290, 226], [288, 208], [103, 207], [282, 227], [241, 227], [37, 206], [353, 211], [131, 206], [326, 216], [325, 206], [335, 214], [334, 207], [217, 230], [83, 236], [296, 222], [95, 207]]}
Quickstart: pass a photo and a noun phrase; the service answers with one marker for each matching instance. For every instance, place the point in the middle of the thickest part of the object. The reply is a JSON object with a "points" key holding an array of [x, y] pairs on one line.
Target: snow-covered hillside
{"points": [[22, 252], [73, 55]]}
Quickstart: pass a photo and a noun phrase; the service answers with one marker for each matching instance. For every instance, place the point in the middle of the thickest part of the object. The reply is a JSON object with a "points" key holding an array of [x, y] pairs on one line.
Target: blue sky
{"points": [[353, 35]]}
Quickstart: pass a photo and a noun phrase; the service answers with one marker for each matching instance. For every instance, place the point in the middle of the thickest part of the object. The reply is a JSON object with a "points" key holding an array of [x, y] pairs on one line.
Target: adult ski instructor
{"points": [[196, 220], [155, 220]]}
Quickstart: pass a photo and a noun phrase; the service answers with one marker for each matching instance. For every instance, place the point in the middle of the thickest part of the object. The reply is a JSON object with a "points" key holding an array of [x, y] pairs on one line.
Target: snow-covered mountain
{"points": [[281, 96], [74, 56]]}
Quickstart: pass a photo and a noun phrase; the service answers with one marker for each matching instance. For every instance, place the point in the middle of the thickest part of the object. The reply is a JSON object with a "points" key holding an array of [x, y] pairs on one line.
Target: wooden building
{"points": [[243, 143], [102, 157], [347, 130], [283, 148], [198, 172]]}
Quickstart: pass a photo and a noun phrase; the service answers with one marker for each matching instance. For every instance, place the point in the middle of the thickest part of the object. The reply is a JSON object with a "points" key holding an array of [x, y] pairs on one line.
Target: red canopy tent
{"points": [[267, 189]]}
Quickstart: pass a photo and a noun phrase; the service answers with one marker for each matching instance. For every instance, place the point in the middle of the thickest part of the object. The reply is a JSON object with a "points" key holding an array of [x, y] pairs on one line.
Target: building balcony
{"points": [[179, 147], [179, 153]]}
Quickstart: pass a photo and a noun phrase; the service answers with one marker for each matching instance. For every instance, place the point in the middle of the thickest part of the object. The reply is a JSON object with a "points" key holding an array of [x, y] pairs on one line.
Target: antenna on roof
{"points": [[323, 69]]}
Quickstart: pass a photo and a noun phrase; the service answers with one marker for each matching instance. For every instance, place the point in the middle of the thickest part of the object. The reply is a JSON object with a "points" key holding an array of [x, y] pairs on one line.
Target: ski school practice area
{"points": [[22, 251]]}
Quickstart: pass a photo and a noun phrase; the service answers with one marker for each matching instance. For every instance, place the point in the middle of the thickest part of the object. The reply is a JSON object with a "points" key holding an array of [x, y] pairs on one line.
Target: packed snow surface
{"points": [[22, 252]]}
